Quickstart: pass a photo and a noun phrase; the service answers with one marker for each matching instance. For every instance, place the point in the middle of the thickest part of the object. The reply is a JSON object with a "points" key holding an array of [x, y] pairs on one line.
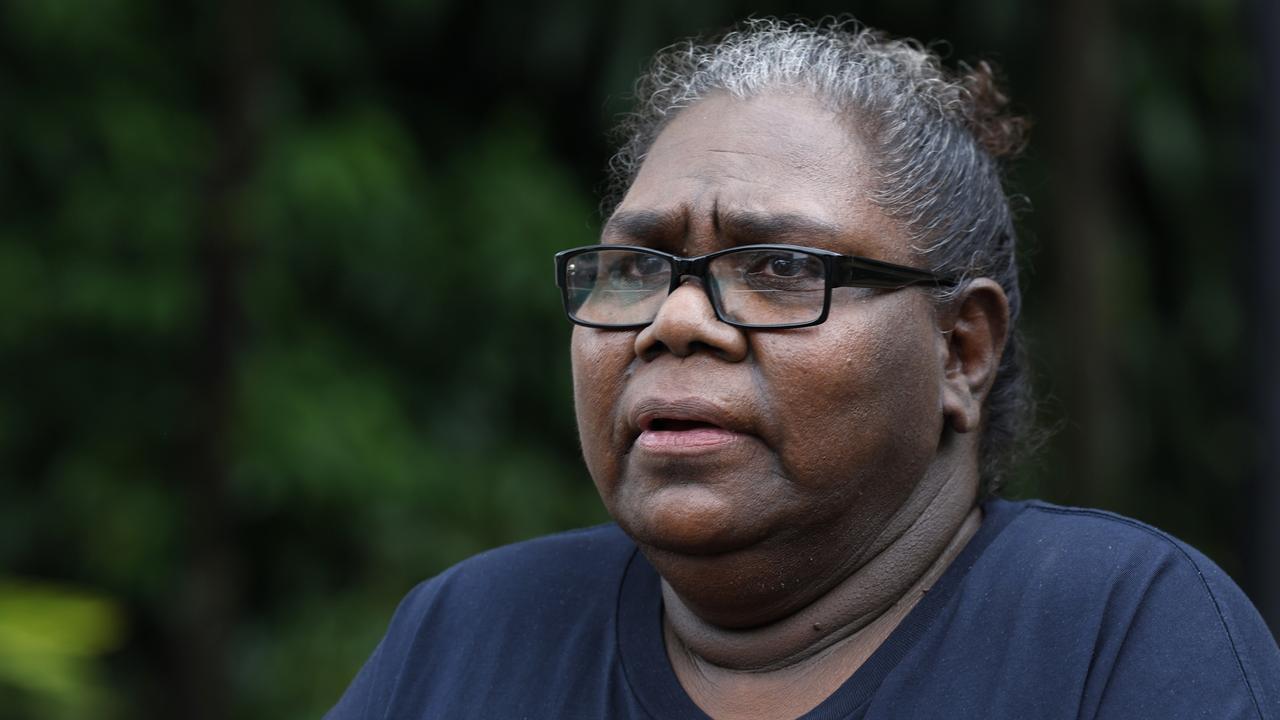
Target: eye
{"points": [[781, 267], [787, 267], [637, 270]]}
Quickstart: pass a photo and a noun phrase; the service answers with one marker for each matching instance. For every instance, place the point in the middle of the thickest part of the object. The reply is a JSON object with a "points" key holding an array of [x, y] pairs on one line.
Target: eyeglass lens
{"points": [[752, 286]]}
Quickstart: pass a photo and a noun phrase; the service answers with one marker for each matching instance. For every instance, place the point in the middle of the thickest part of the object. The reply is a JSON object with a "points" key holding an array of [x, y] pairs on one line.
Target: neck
{"points": [[916, 546]]}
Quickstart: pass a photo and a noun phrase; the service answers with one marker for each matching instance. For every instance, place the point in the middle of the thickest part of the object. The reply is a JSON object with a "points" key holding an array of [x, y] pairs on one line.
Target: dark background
{"points": [[278, 333]]}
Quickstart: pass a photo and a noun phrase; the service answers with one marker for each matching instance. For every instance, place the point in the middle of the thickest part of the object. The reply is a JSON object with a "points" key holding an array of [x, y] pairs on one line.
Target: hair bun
{"points": [[1000, 132]]}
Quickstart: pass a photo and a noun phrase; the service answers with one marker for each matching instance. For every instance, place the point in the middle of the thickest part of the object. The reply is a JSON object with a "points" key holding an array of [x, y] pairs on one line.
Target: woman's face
{"points": [[791, 448]]}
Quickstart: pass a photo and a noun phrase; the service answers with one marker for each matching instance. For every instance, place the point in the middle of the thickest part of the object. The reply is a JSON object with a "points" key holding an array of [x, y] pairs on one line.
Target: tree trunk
{"points": [[209, 596], [1263, 558], [1079, 137]]}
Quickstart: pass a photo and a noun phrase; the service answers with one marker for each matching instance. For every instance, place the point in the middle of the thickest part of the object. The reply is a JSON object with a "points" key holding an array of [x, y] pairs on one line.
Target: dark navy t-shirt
{"points": [[1048, 612]]}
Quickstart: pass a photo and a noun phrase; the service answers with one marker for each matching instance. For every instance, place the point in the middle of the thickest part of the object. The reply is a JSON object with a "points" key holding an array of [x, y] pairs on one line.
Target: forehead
{"points": [[778, 160]]}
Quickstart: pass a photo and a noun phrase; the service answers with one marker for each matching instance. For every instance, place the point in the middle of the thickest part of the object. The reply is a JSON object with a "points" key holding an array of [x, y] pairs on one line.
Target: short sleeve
{"points": [[1194, 647]]}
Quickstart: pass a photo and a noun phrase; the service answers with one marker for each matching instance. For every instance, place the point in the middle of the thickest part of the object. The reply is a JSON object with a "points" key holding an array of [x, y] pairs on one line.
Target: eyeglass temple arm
{"points": [[868, 273]]}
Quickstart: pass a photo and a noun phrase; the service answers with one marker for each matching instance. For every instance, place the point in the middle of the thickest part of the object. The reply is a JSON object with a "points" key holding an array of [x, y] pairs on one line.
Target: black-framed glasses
{"points": [[750, 286]]}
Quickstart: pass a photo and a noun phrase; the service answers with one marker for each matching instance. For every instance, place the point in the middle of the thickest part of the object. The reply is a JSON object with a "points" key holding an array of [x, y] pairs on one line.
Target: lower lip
{"points": [[685, 440]]}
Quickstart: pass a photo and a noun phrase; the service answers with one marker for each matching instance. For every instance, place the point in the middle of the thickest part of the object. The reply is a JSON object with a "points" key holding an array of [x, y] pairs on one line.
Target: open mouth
{"points": [[677, 435], [685, 425], [674, 425]]}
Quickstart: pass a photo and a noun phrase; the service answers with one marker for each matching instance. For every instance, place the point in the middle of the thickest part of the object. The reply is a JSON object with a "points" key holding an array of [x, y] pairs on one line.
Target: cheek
{"points": [[857, 403], [600, 363]]}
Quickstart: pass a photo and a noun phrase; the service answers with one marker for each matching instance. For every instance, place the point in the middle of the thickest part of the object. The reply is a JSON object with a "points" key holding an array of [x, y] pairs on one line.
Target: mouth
{"points": [[662, 424], [683, 426]]}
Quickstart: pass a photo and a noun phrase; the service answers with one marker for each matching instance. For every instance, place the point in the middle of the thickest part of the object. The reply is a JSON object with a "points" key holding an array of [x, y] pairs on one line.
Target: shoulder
{"points": [[544, 571], [494, 625], [566, 556], [1147, 611], [1083, 553], [1072, 524], [1073, 545], [1099, 548]]}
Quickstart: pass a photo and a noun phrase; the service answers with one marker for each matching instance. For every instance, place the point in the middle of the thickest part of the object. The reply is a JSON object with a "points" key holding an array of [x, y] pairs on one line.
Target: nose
{"points": [[686, 323]]}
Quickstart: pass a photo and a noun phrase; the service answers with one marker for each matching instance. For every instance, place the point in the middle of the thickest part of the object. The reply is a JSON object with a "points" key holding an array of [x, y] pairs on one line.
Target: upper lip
{"points": [[691, 409]]}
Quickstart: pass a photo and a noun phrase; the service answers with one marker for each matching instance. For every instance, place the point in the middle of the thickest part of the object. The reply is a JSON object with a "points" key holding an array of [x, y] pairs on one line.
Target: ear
{"points": [[974, 329]]}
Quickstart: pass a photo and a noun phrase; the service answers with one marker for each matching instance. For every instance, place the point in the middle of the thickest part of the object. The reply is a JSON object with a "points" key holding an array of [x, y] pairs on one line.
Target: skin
{"points": [[836, 475]]}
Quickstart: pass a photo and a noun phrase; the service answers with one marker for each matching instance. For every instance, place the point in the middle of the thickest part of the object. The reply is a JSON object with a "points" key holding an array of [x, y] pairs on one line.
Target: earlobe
{"points": [[974, 331]]}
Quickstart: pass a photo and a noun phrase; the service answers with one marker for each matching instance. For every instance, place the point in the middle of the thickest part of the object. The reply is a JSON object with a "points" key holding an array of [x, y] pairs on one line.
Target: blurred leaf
{"points": [[49, 634]]}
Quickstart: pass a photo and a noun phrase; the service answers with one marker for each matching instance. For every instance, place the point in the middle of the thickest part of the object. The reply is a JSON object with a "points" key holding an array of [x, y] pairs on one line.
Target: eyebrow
{"points": [[648, 225], [751, 227], [741, 226]]}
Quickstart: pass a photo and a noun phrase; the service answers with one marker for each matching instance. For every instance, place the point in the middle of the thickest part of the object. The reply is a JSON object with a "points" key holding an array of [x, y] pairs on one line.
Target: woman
{"points": [[796, 376]]}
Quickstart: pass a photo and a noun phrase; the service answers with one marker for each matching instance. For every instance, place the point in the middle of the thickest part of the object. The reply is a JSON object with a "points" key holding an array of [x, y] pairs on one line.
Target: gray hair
{"points": [[937, 139]]}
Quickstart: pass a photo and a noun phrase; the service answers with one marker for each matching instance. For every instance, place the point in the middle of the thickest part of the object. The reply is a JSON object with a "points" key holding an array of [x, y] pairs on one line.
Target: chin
{"points": [[689, 520]]}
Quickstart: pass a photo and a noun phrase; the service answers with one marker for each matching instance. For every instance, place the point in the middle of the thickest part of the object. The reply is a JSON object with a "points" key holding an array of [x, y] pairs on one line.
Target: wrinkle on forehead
{"points": [[732, 224], [737, 152], [770, 117], [772, 141], [768, 155], [788, 160]]}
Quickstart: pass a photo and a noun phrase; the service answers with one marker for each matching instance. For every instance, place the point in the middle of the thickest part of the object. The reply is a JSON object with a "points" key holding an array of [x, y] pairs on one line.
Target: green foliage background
{"points": [[398, 394]]}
